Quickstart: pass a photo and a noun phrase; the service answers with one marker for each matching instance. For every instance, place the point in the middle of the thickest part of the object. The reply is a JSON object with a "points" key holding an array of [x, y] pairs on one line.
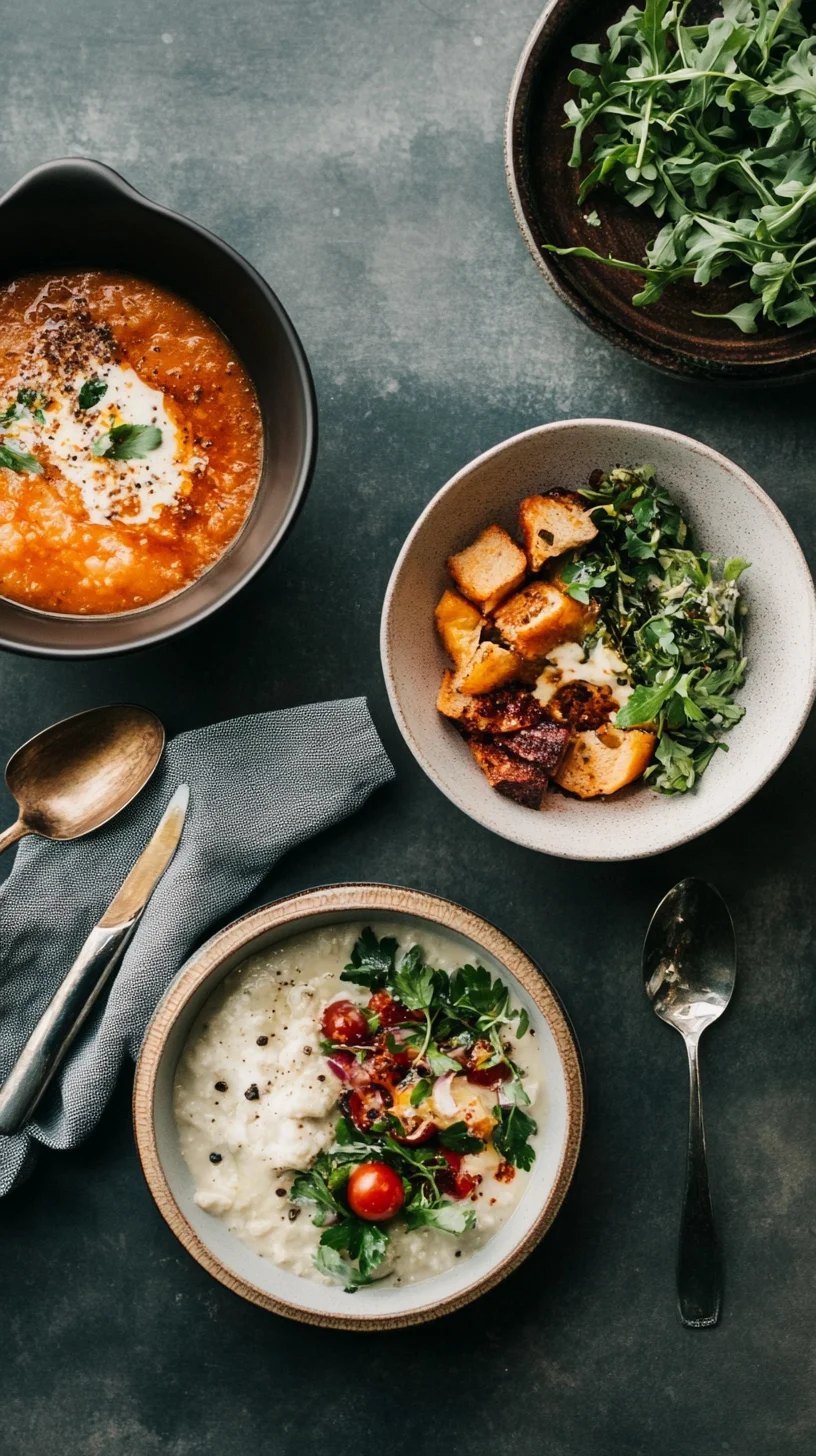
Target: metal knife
{"points": [[99, 957]]}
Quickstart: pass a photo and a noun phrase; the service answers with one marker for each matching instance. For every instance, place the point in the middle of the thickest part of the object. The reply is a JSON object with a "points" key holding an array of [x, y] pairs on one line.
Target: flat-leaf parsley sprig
{"points": [[674, 614]]}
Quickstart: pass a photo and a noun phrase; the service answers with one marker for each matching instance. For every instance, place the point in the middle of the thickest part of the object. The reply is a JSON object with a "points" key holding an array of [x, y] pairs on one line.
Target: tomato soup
{"points": [[130, 443]]}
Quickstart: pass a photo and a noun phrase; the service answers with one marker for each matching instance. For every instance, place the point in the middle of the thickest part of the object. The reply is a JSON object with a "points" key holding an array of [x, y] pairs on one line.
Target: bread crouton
{"points": [[488, 570], [604, 761], [507, 710], [540, 616], [459, 624], [544, 745], [490, 667], [525, 783], [552, 524]]}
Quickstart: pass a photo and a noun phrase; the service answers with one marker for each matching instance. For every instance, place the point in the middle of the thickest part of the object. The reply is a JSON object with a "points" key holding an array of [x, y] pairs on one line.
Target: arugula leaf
{"points": [[511, 1137], [372, 961], [644, 704], [734, 567], [91, 392], [710, 127], [15, 459], [127, 442], [413, 982], [460, 1139]]}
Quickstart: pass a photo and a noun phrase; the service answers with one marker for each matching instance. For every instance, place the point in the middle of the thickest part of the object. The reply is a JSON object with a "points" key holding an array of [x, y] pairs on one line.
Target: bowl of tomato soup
{"points": [[157, 417]]}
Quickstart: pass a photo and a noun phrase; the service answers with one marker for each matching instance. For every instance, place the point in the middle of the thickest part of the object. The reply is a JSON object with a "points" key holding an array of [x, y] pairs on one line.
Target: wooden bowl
{"points": [[544, 192], [258, 1279]]}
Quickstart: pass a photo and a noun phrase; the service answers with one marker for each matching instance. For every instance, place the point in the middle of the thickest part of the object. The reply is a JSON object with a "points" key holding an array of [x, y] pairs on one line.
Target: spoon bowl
{"points": [[76, 775], [689, 962]]}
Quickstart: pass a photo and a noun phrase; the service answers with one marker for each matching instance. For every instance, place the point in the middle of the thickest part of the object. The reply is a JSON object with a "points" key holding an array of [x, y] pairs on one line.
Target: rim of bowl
{"points": [[363, 896], [673, 360], [557, 427], [64, 166]]}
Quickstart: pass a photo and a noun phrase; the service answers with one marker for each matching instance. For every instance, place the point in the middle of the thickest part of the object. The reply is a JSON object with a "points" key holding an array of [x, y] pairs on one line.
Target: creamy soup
{"points": [[257, 1105], [130, 443]]}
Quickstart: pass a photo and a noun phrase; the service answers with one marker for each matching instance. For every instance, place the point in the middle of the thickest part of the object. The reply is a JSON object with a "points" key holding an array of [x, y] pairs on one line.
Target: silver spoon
{"points": [[74, 776], [689, 967]]}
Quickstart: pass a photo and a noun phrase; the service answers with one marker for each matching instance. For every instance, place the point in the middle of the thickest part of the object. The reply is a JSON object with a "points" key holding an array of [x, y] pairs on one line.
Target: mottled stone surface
{"points": [[353, 152]]}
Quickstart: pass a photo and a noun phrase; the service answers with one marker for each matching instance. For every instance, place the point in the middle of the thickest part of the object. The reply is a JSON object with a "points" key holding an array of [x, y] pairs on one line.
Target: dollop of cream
{"points": [[602, 666], [133, 491]]}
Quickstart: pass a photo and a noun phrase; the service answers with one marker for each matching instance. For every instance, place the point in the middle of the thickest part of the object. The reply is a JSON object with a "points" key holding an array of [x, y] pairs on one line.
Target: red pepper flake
{"points": [[505, 1173]]}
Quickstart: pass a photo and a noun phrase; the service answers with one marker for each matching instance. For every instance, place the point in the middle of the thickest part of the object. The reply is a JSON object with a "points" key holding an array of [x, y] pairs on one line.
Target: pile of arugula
{"points": [[675, 616], [457, 1010], [713, 127]]}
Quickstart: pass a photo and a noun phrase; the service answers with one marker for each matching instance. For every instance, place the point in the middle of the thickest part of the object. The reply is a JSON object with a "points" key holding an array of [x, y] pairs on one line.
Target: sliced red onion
{"points": [[347, 1068], [420, 1134], [442, 1095]]}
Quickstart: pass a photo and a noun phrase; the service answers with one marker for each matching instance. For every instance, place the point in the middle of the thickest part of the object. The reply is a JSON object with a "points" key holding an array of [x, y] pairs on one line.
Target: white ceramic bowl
{"points": [[247, 1273], [730, 515]]}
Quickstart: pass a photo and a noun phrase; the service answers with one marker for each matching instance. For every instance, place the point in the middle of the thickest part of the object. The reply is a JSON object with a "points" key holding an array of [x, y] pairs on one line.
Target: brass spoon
{"points": [[76, 775]]}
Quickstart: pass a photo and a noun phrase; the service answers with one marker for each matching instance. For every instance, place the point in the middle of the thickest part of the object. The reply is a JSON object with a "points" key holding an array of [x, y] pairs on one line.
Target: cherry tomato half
{"points": [[367, 1105], [390, 1011], [375, 1192], [344, 1022], [453, 1181]]}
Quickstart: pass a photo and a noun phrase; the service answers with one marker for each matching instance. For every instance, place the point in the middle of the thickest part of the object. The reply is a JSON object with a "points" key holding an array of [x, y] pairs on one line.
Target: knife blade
{"points": [[131, 898], [99, 957]]}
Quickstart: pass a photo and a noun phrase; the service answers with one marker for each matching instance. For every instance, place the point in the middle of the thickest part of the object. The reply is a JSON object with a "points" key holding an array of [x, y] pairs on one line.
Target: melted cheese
{"points": [[132, 491], [601, 666]]}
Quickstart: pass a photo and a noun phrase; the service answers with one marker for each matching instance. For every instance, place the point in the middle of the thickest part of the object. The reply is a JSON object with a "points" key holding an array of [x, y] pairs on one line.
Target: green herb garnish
{"points": [[19, 460], [91, 392], [676, 617], [457, 1011], [127, 442], [713, 128]]}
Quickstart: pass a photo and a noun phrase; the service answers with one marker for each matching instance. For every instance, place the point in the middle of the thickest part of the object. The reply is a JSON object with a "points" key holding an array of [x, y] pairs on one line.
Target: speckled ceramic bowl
{"points": [[258, 1279], [731, 516]]}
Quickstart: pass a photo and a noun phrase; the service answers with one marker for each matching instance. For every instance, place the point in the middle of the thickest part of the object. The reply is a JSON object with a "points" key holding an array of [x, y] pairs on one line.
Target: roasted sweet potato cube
{"points": [[488, 570], [604, 761], [552, 524], [544, 745], [540, 616], [459, 624], [490, 667], [526, 783]]}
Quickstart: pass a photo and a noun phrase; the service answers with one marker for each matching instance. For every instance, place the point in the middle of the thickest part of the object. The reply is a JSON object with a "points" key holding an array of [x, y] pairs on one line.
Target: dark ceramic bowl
{"points": [[544, 193], [77, 213]]}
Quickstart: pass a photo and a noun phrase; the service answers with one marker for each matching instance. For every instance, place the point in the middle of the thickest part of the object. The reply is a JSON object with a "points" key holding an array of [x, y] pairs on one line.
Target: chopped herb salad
{"points": [[675, 615], [430, 1083]]}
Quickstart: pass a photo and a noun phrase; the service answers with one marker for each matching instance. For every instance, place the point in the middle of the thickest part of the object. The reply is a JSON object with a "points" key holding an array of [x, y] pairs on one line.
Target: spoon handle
{"points": [[12, 834], [699, 1274]]}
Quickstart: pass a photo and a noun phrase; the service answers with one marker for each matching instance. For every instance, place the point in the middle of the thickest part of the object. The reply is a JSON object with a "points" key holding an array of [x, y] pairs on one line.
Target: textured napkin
{"points": [[258, 786]]}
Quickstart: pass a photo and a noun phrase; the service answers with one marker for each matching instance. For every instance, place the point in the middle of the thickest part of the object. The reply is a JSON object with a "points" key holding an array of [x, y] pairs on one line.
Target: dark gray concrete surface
{"points": [[353, 152]]}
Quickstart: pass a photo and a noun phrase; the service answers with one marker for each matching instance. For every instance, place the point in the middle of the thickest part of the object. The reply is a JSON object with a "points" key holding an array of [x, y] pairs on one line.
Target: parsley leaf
{"points": [[91, 392], [413, 982], [511, 1137], [450, 1218], [423, 1089], [127, 442], [459, 1139], [372, 961], [366, 1243], [330, 1262], [472, 989]]}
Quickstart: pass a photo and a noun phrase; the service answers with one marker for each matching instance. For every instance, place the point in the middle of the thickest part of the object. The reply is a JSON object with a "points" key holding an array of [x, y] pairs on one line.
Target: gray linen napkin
{"points": [[258, 786]]}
